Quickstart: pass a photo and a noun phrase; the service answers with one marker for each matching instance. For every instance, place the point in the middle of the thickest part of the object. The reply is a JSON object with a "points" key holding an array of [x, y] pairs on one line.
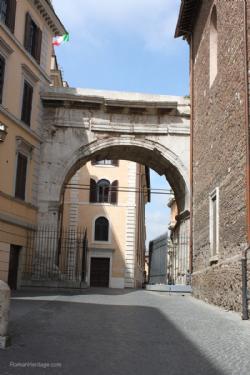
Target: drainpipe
{"points": [[247, 124], [245, 297], [190, 39]]}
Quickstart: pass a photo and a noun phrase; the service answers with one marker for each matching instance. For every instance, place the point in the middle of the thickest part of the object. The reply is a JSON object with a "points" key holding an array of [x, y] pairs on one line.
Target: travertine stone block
{"points": [[4, 313]]}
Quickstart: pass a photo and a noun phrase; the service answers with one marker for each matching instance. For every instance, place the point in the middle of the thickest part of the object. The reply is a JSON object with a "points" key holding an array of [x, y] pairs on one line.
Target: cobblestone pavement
{"points": [[114, 332]]}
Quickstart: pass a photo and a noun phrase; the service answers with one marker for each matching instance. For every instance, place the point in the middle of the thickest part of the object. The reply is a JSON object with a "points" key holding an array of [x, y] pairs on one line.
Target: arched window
{"points": [[213, 63], [103, 189], [101, 229]]}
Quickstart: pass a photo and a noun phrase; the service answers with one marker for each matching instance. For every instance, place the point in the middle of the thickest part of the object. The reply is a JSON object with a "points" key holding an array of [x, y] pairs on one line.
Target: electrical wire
{"points": [[122, 189]]}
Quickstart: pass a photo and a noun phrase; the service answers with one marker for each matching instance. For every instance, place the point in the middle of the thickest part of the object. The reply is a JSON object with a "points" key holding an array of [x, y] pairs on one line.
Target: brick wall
{"points": [[219, 153]]}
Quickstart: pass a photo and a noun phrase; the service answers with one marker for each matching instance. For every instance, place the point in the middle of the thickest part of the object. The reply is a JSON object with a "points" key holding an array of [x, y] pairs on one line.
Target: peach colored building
{"points": [[108, 198], [26, 32]]}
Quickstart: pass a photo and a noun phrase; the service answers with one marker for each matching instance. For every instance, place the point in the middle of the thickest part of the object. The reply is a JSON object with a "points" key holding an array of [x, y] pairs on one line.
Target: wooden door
{"points": [[99, 272], [13, 266]]}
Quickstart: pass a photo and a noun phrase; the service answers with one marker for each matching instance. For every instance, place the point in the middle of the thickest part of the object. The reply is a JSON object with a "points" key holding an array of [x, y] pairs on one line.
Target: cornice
{"points": [[20, 124], [47, 12]]}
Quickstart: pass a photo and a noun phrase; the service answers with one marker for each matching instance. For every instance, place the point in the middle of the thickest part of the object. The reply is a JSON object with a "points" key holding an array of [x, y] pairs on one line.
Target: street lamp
{"points": [[3, 132]]}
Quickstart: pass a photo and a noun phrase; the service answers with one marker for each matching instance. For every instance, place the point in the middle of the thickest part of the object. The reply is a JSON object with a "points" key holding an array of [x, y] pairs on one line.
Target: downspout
{"points": [[60, 222], [245, 297], [191, 153]]}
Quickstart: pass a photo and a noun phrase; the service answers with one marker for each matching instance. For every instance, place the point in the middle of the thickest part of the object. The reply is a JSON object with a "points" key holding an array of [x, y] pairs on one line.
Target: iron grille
{"points": [[56, 255]]}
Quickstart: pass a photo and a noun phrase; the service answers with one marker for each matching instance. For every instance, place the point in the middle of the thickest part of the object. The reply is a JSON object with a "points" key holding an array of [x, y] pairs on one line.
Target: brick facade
{"points": [[219, 152]]}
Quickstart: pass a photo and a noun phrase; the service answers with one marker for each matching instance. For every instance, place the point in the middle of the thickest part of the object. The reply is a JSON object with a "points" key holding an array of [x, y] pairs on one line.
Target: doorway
{"points": [[99, 272], [13, 266]]}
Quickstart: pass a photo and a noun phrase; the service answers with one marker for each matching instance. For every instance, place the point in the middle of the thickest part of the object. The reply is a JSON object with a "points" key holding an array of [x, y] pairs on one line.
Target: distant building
{"points": [[108, 197], [218, 34], [158, 257]]}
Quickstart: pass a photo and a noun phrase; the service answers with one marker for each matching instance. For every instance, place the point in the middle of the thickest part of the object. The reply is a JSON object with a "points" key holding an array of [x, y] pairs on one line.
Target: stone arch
{"points": [[153, 154]]}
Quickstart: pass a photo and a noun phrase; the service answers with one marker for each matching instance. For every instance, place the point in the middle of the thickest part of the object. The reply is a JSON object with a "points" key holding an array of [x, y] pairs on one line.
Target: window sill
{"points": [[17, 200], [103, 204], [101, 242], [104, 166]]}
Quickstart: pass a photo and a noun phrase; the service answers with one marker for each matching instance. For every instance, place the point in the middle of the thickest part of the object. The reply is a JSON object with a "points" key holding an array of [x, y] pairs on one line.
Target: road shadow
{"points": [[93, 339], [42, 292]]}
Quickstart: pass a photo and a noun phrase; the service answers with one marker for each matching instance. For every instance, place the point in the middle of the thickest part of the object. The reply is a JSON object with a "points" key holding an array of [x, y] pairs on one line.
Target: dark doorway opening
{"points": [[99, 272], [13, 266]]}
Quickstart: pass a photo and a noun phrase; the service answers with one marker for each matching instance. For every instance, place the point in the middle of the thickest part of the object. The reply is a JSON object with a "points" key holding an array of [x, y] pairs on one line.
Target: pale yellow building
{"points": [[108, 198], [26, 32]]}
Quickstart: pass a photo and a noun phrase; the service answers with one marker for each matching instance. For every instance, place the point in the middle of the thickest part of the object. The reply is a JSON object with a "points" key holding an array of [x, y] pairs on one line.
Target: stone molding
{"points": [[19, 123]]}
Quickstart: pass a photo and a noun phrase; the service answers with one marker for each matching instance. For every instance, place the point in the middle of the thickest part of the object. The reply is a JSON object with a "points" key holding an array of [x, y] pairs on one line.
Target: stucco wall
{"points": [[78, 211]]}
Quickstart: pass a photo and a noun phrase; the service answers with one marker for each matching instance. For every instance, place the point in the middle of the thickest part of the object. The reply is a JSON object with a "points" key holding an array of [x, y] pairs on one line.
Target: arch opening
{"points": [[152, 158]]}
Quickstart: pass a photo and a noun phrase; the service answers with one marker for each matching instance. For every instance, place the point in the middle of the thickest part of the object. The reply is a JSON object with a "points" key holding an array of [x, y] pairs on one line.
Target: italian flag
{"points": [[57, 41]]}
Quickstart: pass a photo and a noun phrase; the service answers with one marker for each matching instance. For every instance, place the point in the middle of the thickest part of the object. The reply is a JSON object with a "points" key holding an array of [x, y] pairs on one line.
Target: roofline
{"points": [[188, 10], [177, 29], [113, 98], [47, 11]]}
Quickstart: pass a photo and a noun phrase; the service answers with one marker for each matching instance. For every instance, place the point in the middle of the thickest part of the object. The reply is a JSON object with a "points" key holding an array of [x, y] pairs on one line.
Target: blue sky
{"points": [[126, 45]]}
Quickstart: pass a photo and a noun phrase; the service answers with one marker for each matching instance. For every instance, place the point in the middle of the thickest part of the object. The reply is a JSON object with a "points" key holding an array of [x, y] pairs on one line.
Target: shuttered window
{"points": [[21, 171], [114, 192], [27, 103], [32, 38], [101, 229], [2, 69], [92, 191], [8, 13], [103, 191]]}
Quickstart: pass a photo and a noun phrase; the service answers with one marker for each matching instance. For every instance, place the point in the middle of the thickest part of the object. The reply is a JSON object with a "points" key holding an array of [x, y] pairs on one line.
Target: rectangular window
{"points": [[32, 38], [21, 173], [27, 103], [2, 69], [8, 13], [214, 222], [105, 162]]}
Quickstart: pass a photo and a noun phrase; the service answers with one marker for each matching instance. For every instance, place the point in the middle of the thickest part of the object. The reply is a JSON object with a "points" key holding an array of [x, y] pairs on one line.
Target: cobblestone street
{"points": [[123, 332]]}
